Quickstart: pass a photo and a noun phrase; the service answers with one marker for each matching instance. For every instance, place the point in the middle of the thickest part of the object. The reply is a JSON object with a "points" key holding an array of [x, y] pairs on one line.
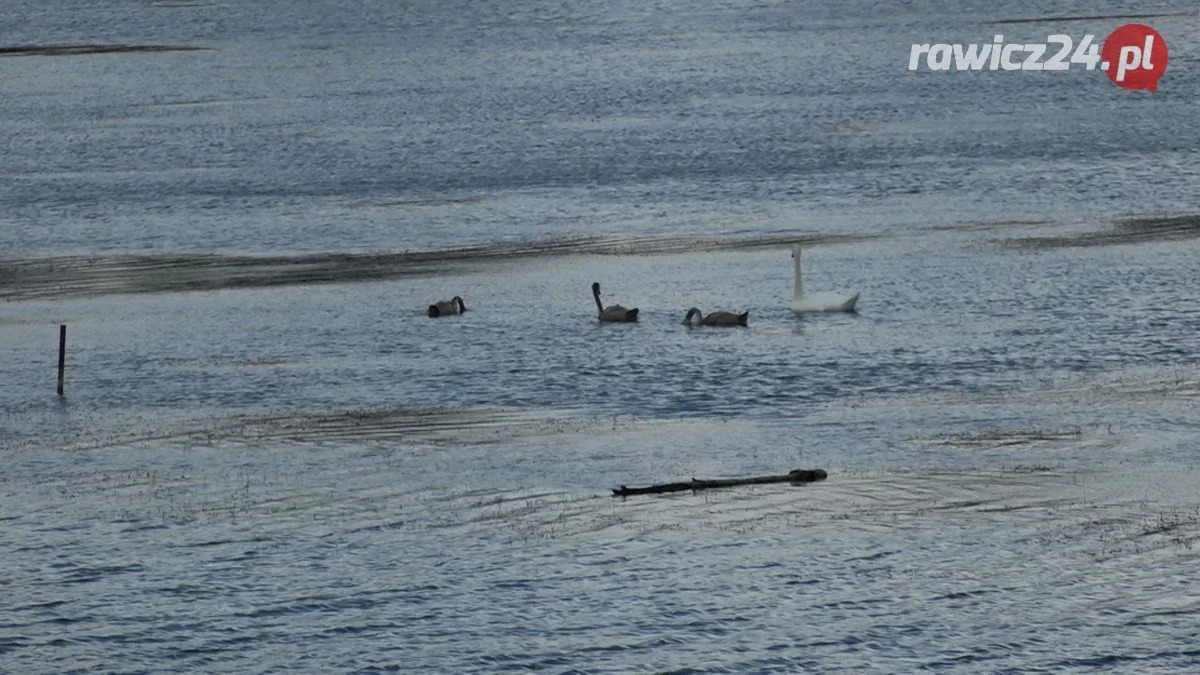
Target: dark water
{"points": [[269, 459]]}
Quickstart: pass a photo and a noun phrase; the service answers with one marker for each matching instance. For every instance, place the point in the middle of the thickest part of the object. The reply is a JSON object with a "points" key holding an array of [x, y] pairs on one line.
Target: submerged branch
{"points": [[795, 476]]}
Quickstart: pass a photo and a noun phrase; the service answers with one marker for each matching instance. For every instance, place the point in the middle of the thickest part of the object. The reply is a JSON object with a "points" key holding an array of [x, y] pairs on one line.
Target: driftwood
{"points": [[794, 477]]}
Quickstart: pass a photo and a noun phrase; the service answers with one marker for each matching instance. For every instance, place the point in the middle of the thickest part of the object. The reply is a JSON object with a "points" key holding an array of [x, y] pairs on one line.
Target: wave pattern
{"points": [[394, 561]]}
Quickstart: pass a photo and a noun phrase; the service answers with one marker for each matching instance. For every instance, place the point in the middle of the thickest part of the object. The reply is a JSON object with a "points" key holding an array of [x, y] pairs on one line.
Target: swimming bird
{"points": [[716, 318], [447, 307], [612, 312], [818, 302]]}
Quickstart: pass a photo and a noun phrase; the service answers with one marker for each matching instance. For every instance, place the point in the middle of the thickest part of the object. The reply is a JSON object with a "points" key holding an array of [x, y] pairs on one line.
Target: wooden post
{"points": [[62, 355]]}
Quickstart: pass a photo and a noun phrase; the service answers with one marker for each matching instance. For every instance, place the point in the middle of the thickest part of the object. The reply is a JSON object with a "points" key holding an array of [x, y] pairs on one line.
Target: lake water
{"points": [[269, 459]]}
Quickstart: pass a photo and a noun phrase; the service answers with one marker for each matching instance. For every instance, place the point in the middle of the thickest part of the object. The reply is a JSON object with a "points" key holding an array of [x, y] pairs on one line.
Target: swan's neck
{"points": [[596, 294], [798, 287]]}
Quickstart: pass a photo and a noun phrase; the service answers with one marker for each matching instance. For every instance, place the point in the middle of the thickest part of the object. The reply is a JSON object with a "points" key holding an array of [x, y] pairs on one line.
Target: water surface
{"points": [[269, 459]]}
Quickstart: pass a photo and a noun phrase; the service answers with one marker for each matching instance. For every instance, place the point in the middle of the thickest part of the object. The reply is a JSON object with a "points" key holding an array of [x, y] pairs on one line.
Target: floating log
{"points": [[794, 477]]}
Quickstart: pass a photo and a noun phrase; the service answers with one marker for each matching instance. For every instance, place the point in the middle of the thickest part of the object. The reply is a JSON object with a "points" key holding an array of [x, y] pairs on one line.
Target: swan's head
{"points": [[690, 313], [458, 300], [596, 287]]}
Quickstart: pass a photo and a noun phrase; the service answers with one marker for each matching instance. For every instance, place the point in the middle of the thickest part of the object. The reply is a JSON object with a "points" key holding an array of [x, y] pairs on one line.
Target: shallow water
{"points": [[1012, 470], [269, 459]]}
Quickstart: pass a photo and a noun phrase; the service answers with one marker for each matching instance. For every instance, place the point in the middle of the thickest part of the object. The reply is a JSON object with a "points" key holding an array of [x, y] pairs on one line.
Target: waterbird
{"points": [[612, 312], [716, 318], [447, 307], [818, 302]]}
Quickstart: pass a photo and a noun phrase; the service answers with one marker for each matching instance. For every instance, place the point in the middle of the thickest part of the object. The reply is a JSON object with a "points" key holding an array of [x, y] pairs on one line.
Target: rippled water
{"points": [[280, 464], [387, 127]]}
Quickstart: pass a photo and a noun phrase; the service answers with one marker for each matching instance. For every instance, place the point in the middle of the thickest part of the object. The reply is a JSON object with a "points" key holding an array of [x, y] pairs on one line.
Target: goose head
{"points": [[459, 301], [690, 313]]}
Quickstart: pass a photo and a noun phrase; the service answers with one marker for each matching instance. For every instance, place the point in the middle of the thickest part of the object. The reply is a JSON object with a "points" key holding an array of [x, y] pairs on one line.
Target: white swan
{"points": [[818, 302]]}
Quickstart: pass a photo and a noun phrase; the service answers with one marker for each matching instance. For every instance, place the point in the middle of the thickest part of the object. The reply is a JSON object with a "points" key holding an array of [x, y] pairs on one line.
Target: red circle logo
{"points": [[1135, 57]]}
